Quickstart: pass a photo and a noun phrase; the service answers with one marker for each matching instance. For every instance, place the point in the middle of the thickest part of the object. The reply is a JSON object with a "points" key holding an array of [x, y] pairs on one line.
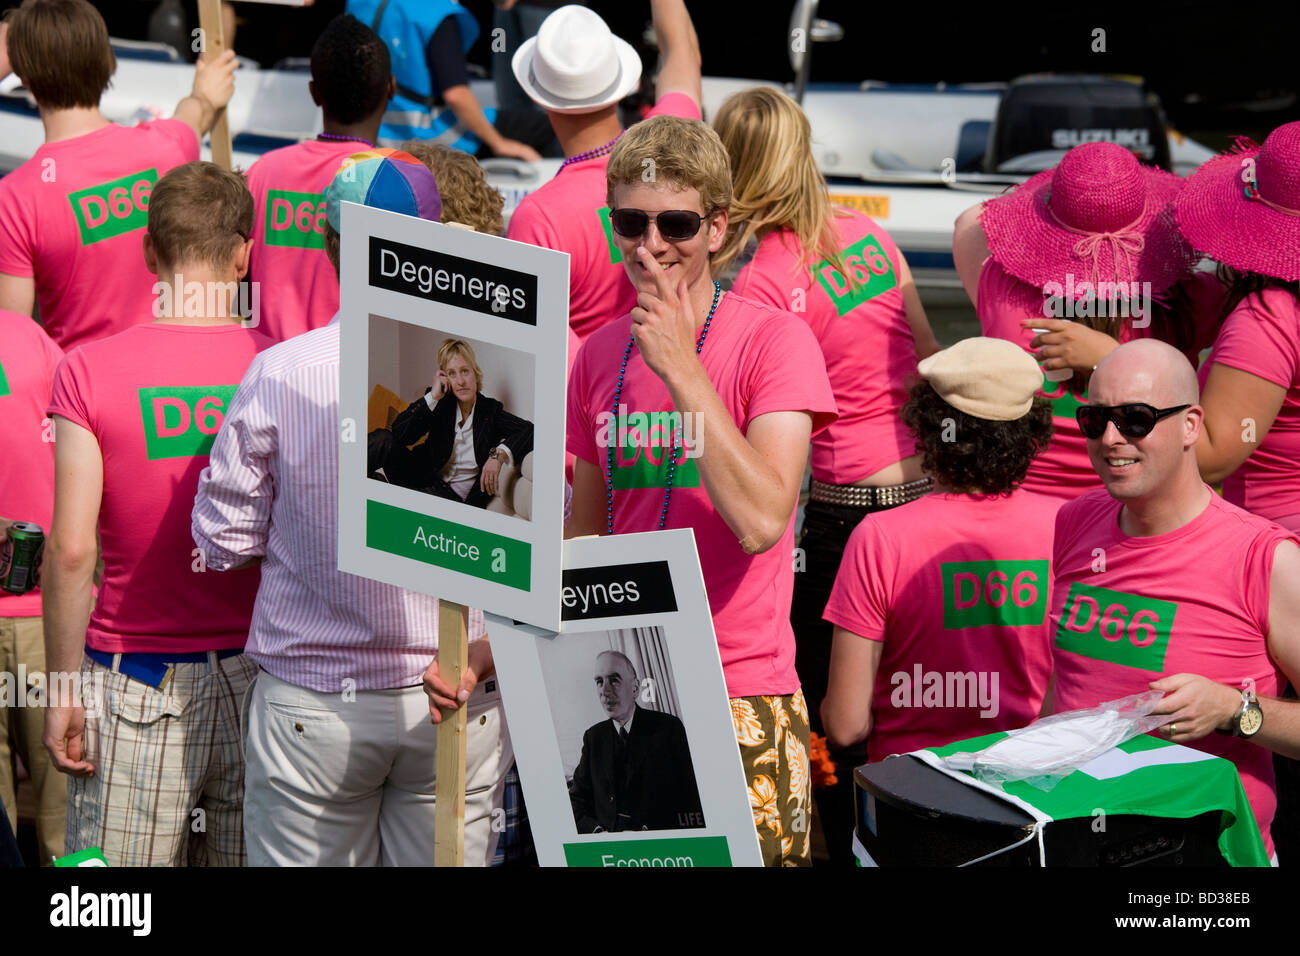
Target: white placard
{"points": [[636, 621], [407, 286]]}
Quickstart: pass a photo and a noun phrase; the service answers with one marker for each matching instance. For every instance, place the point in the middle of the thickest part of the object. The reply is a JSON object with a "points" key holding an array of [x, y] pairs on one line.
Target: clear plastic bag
{"points": [[1051, 749]]}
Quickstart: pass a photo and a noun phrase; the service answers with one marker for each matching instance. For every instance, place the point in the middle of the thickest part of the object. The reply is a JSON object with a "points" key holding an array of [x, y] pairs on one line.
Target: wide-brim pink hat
{"points": [[1243, 208], [1099, 215]]}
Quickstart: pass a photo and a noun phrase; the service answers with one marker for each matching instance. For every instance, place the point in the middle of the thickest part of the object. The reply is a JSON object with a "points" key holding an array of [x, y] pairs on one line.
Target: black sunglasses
{"points": [[673, 224], [1133, 420]]}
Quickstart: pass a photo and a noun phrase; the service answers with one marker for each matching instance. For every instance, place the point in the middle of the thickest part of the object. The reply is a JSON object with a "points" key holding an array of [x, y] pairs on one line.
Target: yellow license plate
{"points": [[877, 207]]}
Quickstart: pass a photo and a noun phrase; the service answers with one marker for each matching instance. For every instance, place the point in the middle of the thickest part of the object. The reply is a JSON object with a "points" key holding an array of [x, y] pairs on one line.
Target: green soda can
{"points": [[16, 567]]}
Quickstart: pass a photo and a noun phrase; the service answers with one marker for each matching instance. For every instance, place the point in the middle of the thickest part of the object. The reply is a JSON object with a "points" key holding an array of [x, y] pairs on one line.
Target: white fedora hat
{"points": [[575, 64]]}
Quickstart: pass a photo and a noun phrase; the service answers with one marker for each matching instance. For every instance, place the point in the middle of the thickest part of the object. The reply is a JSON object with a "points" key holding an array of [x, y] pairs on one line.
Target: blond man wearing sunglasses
{"points": [[1160, 584]]}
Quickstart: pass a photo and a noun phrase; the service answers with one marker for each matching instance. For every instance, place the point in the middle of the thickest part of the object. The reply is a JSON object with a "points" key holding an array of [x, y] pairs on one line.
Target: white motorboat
{"points": [[912, 157]]}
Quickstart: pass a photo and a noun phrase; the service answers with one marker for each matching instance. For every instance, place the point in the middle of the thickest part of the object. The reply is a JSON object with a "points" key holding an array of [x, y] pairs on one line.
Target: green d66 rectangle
{"points": [[294, 219], [445, 544], [1126, 629], [867, 261], [181, 421], [1007, 593], [671, 853], [113, 208]]}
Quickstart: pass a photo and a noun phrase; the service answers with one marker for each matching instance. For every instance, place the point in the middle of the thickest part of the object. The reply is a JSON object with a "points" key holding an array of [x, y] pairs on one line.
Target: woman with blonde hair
{"points": [[470, 435], [789, 247]]}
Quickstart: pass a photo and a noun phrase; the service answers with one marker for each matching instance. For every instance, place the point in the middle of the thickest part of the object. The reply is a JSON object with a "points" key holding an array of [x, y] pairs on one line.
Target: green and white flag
{"points": [[1146, 776]]}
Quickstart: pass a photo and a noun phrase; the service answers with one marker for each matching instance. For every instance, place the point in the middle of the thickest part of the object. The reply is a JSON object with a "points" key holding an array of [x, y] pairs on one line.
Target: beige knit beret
{"points": [[991, 379]]}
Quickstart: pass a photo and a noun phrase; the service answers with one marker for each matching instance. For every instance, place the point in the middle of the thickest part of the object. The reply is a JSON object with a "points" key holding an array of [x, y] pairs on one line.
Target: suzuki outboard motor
{"points": [[1041, 117]]}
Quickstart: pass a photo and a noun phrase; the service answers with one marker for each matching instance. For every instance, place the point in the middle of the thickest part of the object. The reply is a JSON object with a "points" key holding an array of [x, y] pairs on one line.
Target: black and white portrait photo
{"points": [[624, 748]]}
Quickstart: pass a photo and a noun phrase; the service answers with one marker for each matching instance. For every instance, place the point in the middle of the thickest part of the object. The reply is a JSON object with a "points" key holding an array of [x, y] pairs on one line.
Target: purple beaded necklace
{"points": [[335, 138], [593, 153], [672, 438]]}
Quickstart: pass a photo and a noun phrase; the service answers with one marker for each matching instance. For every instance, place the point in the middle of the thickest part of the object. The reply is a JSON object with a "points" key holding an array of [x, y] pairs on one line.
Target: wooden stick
{"points": [[449, 788], [214, 44]]}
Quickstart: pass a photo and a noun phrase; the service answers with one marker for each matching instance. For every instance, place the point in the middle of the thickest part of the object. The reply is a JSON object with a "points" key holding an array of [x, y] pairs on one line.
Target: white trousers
{"points": [[331, 781]]}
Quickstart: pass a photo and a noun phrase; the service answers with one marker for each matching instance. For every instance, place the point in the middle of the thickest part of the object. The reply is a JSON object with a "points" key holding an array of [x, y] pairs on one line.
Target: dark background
{"points": [[1220, 68]]}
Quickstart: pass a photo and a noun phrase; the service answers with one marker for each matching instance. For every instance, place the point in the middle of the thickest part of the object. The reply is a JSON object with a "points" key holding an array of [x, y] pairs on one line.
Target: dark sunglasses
{"points": [[673, 224], [1134, 420]]}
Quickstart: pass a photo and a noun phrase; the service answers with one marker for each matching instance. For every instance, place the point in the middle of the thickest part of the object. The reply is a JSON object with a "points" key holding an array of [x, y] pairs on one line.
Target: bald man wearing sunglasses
{"points": [[1160, 584]]}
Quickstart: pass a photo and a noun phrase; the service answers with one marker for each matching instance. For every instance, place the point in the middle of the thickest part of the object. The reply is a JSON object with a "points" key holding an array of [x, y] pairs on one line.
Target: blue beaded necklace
{"points": [[672, 440]]}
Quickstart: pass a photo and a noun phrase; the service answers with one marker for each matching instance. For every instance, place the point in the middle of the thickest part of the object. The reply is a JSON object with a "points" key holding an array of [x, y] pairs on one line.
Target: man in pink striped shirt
{"points": [[339, 747]]}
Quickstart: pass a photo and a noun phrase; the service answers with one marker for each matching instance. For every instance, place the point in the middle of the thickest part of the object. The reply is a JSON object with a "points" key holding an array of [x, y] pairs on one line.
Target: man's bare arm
{"points": [[17, 293], [846, 709], [680, 49]]}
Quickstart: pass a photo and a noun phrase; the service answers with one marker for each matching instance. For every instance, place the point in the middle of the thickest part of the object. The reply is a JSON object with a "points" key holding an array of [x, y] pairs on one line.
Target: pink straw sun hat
{"points": [[1100, 216], [1243, 208]]}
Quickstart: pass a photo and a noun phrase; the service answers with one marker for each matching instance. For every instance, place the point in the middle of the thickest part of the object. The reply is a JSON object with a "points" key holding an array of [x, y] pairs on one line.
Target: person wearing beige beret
{"points": [[940, 605]]}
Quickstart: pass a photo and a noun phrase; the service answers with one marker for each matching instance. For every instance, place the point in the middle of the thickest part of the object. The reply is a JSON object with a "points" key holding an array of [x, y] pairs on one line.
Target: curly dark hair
{"points": [[350, 68], [974, 455]]}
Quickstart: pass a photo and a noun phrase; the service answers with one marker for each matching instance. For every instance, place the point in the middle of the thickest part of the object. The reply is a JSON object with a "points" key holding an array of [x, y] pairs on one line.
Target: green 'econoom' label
{"points": [[181, 421], [685, 851], [615, 253], [295, 219], [91, 856], [4, 382], [485, 555], [869, 265], [113, 208], [1125, 629], [979, 593]]}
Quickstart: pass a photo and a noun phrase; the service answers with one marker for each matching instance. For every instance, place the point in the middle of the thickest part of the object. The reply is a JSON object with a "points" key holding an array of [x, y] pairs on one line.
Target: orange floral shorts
{"points": [[774, 740]]}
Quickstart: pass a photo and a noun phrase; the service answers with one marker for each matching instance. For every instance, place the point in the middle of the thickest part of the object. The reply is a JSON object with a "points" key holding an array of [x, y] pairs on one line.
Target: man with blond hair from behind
{"points": [[71, 217], [156, 766]]}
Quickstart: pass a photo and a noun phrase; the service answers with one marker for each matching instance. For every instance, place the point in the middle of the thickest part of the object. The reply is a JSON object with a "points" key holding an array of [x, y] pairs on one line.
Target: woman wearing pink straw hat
{"points": [[1068, 263], [1242, 209]]}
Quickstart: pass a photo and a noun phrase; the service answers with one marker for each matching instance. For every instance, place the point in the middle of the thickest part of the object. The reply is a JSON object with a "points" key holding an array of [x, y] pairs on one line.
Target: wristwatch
{"points": [[1249, 716]]}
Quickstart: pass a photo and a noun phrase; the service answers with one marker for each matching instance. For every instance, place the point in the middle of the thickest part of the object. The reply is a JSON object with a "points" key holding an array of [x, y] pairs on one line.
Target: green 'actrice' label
{"points": [[979, 593], [181, 421], [446, 544], [869, 265], [4, 381], [678, 852], [1125, 629], [295, 219], [113, 208]]}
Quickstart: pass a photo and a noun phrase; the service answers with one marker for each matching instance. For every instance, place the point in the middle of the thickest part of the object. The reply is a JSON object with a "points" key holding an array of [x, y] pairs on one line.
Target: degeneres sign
{"points": [[442, 329], [441, 277]]}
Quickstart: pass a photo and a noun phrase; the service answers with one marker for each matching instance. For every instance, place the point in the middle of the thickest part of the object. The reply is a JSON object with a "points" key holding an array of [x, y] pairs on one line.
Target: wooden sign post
{"points": [[214, 44], [449, 786]]}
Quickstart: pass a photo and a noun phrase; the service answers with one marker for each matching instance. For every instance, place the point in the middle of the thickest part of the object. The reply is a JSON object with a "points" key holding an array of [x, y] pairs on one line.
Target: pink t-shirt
{"points": [[1128, 611], [570, 214], [1062, 470], [868, 381], [73, 216], [297, 288], [154, 396], [759, 361], [962, 612], [27, 362], [1263, 338]]}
